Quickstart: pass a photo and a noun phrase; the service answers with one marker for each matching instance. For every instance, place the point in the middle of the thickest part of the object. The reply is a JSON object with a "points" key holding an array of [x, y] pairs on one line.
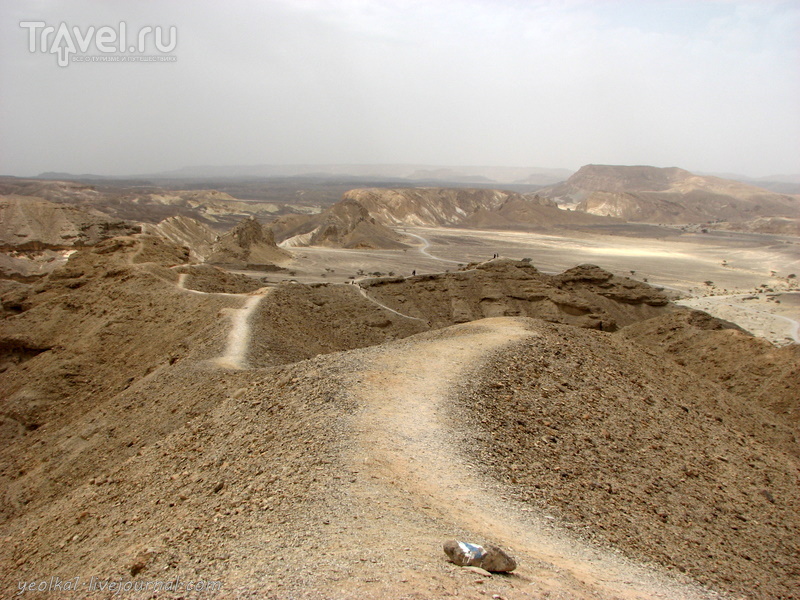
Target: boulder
{"points": [[489, 557]]}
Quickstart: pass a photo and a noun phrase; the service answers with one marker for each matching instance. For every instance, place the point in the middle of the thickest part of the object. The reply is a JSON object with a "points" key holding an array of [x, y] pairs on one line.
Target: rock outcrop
{"points": [[347, 224], [463, 207], [247, 244], [37, 235]]}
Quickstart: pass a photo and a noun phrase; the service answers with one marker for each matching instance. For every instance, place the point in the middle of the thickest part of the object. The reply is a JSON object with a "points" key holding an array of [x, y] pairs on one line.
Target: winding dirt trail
{"points": [[408, 460], [235, 356], [424, 249], [238, 342], [364, 293]]}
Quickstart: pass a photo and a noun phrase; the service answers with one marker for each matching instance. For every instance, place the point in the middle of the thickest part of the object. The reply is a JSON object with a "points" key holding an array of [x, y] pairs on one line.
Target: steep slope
{"points": [[748, 367], [36, 235], [185, 231], [461, 206], [638, 452], [341, 475], [29, 223], [668, 195], [78, 352], [247, 244]]}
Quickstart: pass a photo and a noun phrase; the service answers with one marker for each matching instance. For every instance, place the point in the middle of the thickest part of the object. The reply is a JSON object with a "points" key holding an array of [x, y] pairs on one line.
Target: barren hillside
{"points": [[167, 420], [462, 206], [185, 231], [347, 224], [36, 235], [30, 223], [248, 245]]}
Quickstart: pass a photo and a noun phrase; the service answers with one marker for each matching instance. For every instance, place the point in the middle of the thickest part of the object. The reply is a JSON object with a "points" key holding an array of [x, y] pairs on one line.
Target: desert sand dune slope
{"points": [[336, 470]]}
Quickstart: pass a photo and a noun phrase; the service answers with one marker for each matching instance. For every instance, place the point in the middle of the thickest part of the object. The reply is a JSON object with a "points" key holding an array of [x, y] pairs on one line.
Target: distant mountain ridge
{"points": [[668, 195], [364, 217], [411, 172], [469, 207]]}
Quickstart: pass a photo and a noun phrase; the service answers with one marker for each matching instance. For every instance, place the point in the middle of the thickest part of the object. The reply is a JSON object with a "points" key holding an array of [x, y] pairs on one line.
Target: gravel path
{"points": [[426, 245], [416, 488]]}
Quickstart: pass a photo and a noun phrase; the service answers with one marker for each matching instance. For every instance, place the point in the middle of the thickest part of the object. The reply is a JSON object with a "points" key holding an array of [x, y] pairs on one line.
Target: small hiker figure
{"points": [[413, 273]]}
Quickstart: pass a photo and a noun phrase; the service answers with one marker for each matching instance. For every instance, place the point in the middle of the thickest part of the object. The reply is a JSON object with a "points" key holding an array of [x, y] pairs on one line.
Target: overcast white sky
{"points": [[703, 85]]}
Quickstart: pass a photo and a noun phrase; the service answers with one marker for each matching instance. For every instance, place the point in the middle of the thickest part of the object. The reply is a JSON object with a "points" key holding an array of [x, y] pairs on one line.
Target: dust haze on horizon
{"points": [[708, 86]]}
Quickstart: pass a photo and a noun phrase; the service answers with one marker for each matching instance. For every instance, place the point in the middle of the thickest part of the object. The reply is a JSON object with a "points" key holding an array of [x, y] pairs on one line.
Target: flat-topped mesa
{"points": [[624, 178], [668, 195]]}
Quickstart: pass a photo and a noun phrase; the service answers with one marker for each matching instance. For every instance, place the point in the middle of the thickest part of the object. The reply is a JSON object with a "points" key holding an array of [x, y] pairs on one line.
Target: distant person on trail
{"points": [[413, 273]]}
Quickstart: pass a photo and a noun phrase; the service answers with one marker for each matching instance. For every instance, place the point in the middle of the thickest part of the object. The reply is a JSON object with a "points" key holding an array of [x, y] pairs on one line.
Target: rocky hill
{"points": [[461, 206], [36, 235], [668, 195], [362, 425], [247, 244], [363, 217], [347, 224]]}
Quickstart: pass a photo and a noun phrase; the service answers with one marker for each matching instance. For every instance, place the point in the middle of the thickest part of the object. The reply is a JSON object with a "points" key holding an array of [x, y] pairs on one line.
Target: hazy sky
{"points": [[704, 85]]}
